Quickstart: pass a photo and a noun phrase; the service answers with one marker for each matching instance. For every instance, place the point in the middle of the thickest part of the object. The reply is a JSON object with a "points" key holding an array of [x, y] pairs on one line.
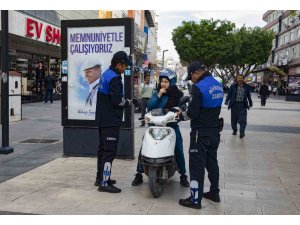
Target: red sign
{"points": [[35, 28]]}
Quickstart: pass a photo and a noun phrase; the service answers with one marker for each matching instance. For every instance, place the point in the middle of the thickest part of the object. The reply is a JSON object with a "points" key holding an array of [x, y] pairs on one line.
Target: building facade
{"points": [[34, 35], [145, 39], [285, 58]]}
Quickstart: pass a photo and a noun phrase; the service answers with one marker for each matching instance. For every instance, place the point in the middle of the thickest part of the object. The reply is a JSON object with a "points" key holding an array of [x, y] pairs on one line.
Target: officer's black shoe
{"points": [[234, 133], [109, 182], [142, 125], [109, 189], [242, 135], [183, 181], [189, 203], [137, 180], [211, 196]]}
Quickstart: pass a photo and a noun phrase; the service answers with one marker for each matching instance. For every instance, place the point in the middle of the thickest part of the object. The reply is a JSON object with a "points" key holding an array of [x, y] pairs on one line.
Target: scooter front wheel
{"points": [[155, 183]]}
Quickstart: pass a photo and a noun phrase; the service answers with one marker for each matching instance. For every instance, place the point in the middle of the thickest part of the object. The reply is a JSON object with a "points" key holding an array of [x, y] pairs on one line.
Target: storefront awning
{"points": [[277, 70]]}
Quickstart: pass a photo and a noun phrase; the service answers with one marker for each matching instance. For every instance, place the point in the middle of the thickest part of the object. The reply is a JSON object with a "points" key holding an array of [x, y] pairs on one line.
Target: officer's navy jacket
{"points": [[205, 106], [110, 102], [230, 99]]}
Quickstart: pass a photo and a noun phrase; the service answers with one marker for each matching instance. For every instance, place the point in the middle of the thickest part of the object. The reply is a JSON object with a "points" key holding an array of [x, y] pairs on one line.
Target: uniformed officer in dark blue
{"points": [[203, 111], [109, 114]]}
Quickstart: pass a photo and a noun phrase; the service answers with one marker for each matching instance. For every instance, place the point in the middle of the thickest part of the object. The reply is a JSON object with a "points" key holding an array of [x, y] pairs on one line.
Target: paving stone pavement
{"points": [[258, 175]]}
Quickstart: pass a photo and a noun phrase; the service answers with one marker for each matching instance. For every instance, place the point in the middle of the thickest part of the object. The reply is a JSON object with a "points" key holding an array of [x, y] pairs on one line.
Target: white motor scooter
{"points": [[157, 154]]}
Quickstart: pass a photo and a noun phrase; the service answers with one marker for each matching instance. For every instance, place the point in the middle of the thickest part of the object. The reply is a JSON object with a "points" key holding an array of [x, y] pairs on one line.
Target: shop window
{"points": [[16, 84]]}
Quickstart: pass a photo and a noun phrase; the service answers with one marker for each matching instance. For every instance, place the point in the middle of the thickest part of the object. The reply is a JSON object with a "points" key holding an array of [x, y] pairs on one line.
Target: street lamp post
{"points": [[5, 149], [163, 58]]}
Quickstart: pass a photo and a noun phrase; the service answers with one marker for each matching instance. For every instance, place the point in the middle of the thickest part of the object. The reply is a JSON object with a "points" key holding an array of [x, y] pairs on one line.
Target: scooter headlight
{"points": [[159, 133]]}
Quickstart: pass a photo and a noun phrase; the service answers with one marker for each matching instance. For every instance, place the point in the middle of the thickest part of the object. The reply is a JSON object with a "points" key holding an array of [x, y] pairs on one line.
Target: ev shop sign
{"points": [[43, 32], [25, 26]]}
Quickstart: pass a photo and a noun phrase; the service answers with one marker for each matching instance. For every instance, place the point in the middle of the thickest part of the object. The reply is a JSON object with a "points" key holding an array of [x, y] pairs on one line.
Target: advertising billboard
{"points": [[294, 85], [87, 49]]}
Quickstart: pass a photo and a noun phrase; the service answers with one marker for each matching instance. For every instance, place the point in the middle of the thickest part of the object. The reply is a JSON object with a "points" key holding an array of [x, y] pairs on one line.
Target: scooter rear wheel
{"points": [[155, 183]]}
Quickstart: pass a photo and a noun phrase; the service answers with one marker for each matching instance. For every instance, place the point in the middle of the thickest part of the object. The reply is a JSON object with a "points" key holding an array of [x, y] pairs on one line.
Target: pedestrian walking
{"points": [[39, 78], [50, 84], [145, 92], [203, 111], [239, 100], [109, 113], [167, 97], [263, 91]]}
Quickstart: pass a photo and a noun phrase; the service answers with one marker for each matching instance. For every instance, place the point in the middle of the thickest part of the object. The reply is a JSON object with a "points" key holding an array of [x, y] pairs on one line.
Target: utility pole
{"points": [[163, 58], [5, 149]]}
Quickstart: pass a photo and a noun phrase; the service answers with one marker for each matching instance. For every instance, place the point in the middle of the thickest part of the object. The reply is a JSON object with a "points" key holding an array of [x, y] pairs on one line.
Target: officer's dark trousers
{"points": [[239, 115], [203, 154], [108, 145]]}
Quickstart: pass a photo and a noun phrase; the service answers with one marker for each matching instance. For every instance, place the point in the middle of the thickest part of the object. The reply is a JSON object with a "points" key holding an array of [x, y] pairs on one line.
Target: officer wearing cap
{"points": [[203, 111], [92, 73], [109, 113]]}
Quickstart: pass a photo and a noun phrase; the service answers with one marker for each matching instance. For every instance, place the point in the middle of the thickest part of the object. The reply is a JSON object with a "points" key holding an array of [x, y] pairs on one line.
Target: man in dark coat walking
{"points": [[264, 92], [239, 100]]}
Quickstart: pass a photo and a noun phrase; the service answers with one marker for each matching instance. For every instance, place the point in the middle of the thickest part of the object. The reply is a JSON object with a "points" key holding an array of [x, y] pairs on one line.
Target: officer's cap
{"points": [[193, 67], [121, 57]]}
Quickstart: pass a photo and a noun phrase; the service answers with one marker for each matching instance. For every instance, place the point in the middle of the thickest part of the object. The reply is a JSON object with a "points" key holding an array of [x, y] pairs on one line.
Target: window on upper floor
{"points": [[275, 58], [298, 33], [285, 39], [279, 42], [293, 53], [292, 36]]}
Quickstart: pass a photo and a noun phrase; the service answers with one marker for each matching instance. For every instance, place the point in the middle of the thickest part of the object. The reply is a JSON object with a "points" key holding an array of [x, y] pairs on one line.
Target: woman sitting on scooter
{"points": [[167, 96]]}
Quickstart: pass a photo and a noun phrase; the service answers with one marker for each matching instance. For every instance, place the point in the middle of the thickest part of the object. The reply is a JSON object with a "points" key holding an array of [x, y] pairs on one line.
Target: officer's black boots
{"points": [[242, 135], [189, 203], [211, 196], [109, 189], [109, 182], [183, 181], [234, 133], [137, 180]]}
